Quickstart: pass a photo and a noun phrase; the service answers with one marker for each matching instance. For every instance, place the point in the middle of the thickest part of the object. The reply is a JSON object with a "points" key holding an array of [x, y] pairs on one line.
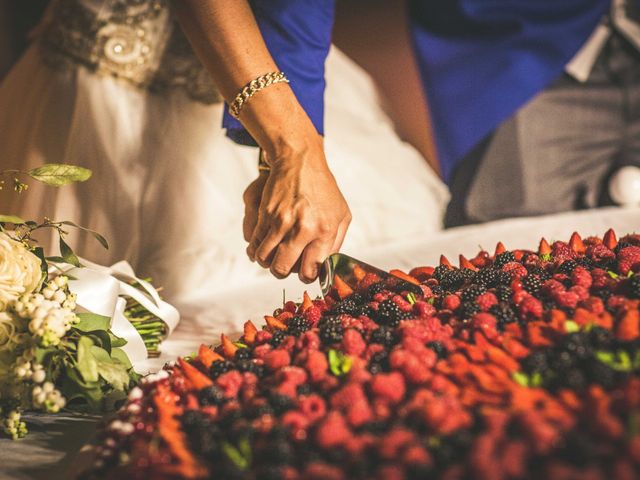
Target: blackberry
{"points": [[440, 270], [347, 306], [329, 320], [242, 354], [567, 267], [578, 345], [469, 309], [211, 395], [452, 280], [279, 453], [375, 427], [540, 272], [504, 293], [634, 286], [250, 366], [575, 379], [601, 338], [220, 367], [602, 374], [503, 278], [438, 348], [357, 298], [331, 333], [384, 336], [297, 326], [436, 290], [585, 262], [563, 360], [389, 314], [256, 411], [304, 389], [503, 313], [468, 274], [503, 258], [277, 338], [365, 310], [280, 403], [488, 277], [376, 288], [270, 472], [532, 284], [536, 362], [472, 292], [379, 362]]}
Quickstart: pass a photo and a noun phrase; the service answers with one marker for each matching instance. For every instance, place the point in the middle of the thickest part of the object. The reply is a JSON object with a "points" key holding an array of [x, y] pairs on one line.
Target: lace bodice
{"points": [[134, 40]]}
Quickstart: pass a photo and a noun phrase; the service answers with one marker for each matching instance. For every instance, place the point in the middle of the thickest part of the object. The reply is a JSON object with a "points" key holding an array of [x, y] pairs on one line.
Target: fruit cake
{"points": [[517, 364]]}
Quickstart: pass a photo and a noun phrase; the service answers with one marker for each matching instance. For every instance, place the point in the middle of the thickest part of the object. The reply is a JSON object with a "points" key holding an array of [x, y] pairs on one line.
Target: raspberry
{"points": [[388, 386], [486, 301], [515, 269], [333, 431], [531, 308], [485, 322], [581, 276], [424, 309], [566, 299], [629, 260], [313, 407], [562, 251], [353, 343], [451, 302], [312, 315], [317, 365], [277, 359], [402, 303]]}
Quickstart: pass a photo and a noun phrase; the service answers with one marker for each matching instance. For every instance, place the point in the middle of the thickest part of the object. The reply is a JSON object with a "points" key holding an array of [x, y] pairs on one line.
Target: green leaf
{"points": [[613, 274], [59, 174], [571, 327], [68, 255], [536, 379], [240, 345], [521, 379], [12, 219], [411, 298], [90, 322], [431, 300], [339, 363], [116, 341], [44, 267], [235, 456], [96, 235], [119, 355], [87, 364], [546, 257], [110, 369]]}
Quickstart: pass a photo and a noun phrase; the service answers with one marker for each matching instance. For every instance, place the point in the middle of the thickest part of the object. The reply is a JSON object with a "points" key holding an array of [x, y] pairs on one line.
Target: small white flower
{"points": [[39, 376], [61, 281], [48, 387], [135, 394]]}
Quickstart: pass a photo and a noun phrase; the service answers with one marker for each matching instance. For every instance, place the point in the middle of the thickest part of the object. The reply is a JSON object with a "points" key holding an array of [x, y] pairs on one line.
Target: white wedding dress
{"points": [[112, 85]]}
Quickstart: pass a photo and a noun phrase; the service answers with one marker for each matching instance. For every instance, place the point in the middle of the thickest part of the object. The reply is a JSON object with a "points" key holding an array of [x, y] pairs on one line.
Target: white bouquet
{"points": [[52, 354]]}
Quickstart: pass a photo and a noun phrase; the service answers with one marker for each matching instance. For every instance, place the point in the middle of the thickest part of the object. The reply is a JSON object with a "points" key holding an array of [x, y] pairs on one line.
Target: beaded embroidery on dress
{"points": [[134, 40]]}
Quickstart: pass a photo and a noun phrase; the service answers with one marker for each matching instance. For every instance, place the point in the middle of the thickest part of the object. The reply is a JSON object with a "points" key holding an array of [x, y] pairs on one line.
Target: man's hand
{"points": [[299, 219]]}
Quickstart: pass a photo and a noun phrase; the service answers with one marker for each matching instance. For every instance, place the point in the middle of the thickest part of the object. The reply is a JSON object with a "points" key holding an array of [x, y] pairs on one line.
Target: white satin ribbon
{"points": [[101, 289]]}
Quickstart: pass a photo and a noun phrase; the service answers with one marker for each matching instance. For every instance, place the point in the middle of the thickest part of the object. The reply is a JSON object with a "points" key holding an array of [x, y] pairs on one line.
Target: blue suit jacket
{"points": [[480, 60]]}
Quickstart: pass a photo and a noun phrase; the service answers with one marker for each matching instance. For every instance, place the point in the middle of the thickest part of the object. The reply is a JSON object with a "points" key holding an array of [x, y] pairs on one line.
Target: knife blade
{"points": [[344, 266]]}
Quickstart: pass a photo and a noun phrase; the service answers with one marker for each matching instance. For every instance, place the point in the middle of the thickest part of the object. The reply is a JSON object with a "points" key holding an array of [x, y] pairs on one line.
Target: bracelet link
{"points": [[253, 87]]}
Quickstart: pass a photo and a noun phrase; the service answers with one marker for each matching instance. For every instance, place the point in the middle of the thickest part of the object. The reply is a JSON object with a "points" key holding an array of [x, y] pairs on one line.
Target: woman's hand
{"points": [[301, 217], [295, 215]]}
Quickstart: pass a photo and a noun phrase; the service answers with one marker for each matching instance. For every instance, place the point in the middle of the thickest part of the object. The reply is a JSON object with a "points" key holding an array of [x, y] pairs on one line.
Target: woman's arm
{"points": [[302, 217]]}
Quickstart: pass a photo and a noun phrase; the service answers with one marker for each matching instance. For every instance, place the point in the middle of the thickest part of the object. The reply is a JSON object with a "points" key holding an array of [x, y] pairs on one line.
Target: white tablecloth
{"points": [[49, 451]]}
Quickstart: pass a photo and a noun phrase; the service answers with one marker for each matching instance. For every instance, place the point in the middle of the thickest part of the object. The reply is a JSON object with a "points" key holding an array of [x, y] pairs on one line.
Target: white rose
{"points": [[19, 270], [8, 331]]}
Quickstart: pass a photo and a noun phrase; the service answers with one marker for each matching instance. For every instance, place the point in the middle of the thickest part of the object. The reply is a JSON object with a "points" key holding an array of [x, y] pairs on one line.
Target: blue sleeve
{"points": [[298, 35]]}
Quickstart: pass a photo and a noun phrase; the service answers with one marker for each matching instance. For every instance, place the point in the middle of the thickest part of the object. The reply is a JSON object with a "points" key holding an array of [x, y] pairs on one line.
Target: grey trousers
{"points": [[556, 153]]}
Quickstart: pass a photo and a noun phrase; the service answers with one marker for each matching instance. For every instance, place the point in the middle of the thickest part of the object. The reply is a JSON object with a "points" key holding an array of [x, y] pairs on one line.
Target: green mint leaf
{"points": [[234, 456], [613, 274], [571, 327], [411, 298], [521, 379], [59, 174], [339, 363]]}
